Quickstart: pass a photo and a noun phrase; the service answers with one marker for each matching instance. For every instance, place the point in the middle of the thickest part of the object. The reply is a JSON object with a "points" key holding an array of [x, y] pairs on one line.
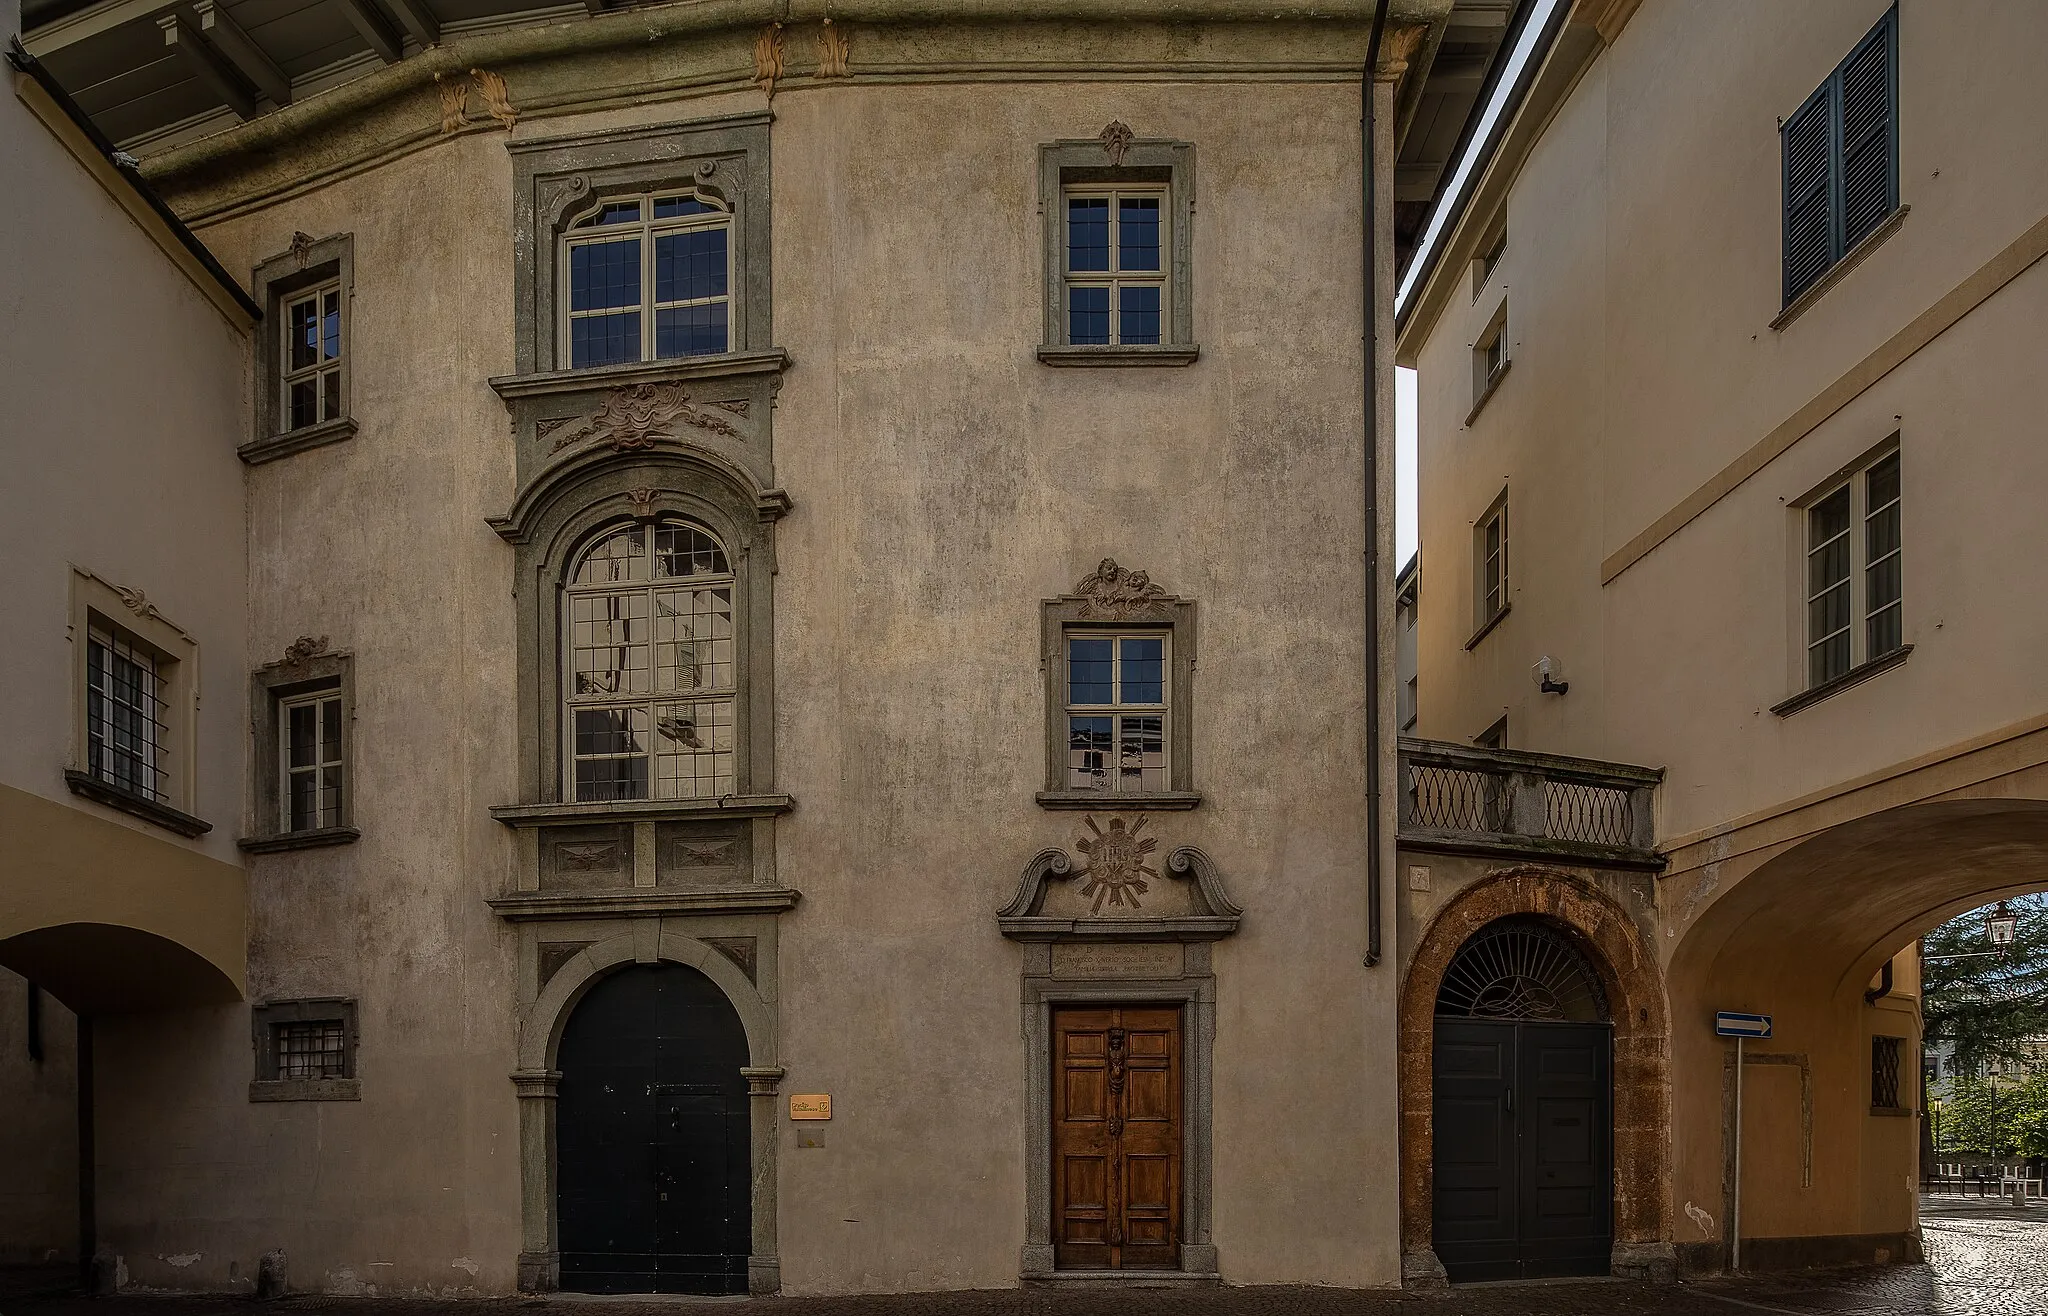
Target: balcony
{"points": [[1459, 800]]}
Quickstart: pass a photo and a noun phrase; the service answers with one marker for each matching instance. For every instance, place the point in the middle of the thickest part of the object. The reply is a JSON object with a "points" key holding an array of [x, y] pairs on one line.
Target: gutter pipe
{"points": [[1369, 141]]}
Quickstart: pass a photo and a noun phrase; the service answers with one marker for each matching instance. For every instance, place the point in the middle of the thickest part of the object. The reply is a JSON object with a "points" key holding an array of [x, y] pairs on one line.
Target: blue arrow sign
{"points": [[1728, 1023]]}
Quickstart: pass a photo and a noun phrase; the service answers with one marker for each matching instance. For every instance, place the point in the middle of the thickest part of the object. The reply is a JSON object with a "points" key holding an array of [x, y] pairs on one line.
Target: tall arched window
{"points": [[650, 665]]}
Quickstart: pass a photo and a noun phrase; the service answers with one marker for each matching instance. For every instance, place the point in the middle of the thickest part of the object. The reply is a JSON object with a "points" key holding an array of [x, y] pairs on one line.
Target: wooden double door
{"points": [[1523, 1154], [1116, 1137]]}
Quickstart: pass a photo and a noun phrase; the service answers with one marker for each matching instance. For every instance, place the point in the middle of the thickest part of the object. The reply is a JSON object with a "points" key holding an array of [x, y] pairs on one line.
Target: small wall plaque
{"points": [[814, 1106]]}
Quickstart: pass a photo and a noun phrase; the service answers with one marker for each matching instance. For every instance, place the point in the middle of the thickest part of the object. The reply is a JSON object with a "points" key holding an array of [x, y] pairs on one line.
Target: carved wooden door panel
{"points": [[1116, 1138]]}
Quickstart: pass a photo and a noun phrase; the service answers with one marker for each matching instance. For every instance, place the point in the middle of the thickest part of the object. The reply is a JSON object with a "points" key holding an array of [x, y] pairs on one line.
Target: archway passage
{"points": [[1522, 1108], [652, 1137]]}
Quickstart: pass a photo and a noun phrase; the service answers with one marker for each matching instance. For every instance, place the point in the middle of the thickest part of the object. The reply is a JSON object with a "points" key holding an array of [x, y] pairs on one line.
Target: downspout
{"points": [[1369, 139]]}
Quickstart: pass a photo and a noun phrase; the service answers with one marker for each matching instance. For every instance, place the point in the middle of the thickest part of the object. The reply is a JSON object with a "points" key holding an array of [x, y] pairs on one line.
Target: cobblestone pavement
{"points": [[1983, 1260]]}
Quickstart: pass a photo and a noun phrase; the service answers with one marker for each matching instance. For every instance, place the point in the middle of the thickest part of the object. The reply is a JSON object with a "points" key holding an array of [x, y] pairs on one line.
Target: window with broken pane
{"points": [[651, 665], [312, 357], [1116, 710]]}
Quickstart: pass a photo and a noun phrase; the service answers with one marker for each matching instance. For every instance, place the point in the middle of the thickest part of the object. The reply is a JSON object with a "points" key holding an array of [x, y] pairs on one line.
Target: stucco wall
{"points": [[944, 482]]}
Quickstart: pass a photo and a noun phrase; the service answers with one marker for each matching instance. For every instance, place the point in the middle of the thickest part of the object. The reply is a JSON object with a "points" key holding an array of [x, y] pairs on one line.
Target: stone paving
{"points": [[1982, 1260]]}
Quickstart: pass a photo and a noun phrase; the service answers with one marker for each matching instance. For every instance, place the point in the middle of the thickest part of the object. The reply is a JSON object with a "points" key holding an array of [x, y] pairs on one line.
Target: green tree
{"points": [[1995, 1117], [1988, 1005]]}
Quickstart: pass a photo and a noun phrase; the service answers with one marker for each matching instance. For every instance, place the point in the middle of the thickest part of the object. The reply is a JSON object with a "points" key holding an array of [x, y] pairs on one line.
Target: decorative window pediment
{"points": [[1122, 887]]}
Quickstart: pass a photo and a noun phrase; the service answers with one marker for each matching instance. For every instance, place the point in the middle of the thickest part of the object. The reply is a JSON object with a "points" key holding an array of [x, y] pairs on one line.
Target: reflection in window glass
{"points": [[1109, 748], [312, 357]]}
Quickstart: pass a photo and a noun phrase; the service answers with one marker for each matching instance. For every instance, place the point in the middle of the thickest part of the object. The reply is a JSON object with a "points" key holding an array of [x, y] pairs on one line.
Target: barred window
{"points": [[1117, 710], [652, 676], [315, 1048], [1884, 1072], [125, 708]]}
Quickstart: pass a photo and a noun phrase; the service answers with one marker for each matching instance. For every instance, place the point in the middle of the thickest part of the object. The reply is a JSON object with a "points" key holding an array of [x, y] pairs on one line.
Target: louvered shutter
{"points": [[1809, 215], [1870, 176]]}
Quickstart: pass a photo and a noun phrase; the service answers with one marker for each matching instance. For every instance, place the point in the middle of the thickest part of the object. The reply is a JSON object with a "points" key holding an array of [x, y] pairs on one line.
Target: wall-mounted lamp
{"points": [[1542, 672]]}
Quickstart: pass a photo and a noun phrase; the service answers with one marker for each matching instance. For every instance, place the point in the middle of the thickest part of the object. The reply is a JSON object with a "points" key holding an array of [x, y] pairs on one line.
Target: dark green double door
{"points": [[1524, 1147]]}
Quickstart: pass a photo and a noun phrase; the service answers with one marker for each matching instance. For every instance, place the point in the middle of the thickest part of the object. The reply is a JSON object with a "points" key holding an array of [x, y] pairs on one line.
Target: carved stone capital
{"points": [[539, 1084], [762, 1080]]}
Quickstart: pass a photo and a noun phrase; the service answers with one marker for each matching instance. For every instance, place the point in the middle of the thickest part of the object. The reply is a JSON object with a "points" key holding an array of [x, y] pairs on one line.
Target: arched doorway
{"points": [[1522, 1074], [653, 1179]]}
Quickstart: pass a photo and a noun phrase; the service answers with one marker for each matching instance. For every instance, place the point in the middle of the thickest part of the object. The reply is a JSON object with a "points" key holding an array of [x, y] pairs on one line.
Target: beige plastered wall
{"points": [[124, 399], [1642, 277], [944, 482]]}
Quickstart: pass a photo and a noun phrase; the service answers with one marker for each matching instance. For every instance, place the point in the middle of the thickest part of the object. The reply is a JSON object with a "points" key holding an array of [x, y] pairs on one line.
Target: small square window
{"points": [[305, 1050]]}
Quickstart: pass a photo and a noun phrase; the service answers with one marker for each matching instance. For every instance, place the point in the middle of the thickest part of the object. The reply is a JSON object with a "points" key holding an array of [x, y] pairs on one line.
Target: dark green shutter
{"points": [[1841, 159]]}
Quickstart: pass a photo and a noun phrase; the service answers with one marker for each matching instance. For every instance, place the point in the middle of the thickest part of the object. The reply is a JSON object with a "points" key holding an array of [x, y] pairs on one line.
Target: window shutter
{"points": [[1809, 218], [1870, 175]]}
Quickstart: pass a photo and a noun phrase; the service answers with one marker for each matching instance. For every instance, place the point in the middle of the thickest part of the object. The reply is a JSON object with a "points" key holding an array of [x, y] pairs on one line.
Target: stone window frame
{"points": [[1074, 613], [557, 180], [97, 603], [307, 263], [298, 673], [1112, 159], [263, 1021], [551, 528]]}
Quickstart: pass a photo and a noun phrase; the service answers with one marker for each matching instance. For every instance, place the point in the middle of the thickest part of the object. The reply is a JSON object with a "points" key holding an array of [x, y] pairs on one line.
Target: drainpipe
{"points": [[1369, 139]]}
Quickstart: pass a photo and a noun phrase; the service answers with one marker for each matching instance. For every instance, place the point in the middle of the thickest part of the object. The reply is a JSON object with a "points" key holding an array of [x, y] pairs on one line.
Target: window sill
{"points": [[312, 839], [1840, 269], [1492, 383], [725, 365], [1148, 354], [306, 1089], [258, 451], [127, 801], [1487, 626], [728, 806], [1112, 802], [1856, 675]]}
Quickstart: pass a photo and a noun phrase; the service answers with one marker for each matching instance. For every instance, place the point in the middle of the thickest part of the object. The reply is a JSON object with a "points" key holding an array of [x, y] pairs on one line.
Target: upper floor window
{"points": [[651, 665], [1119, 256], [1855, 572], [303, 365], [649, 278], [1841, 159], [1117, 710], [1489, 568], [312, 357], [126, 734], [1115, 270], [310, 761]]}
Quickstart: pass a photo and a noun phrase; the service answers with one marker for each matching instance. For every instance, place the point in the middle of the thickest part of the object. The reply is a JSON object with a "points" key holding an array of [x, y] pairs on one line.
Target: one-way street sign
{"points": [[1728, 1023]]}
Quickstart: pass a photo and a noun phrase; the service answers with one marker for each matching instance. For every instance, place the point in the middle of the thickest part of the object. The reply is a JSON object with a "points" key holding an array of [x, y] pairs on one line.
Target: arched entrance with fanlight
{"points": [[1523, 1107]]}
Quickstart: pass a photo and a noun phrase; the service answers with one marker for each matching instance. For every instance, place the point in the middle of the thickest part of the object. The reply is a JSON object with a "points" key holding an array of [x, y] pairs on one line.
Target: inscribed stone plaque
{"points": [[1130, 960]]}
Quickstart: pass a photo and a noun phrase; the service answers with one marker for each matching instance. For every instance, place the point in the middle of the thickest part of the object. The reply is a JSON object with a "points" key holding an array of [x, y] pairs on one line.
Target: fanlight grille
{"points": [[1521, 969]]}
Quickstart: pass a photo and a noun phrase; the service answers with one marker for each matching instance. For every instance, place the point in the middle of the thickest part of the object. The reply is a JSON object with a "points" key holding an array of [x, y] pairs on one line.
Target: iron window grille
{"points": [[1117, 710], [1852, 531], [1115, 265], [1520, 968], [1885, 1053], [311, 359], [651, 666], [312, 1048], [1841, 159], [648, 278], [126, 733], [310, 761]]}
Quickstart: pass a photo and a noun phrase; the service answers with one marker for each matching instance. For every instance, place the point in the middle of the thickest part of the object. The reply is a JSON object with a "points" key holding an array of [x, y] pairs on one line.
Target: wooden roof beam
{"points": [[250, 60], [206, 63], [371, 25]]}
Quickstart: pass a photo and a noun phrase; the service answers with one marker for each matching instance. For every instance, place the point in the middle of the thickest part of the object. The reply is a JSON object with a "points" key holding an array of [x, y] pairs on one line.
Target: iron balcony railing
{"points": [[1499, 801]]}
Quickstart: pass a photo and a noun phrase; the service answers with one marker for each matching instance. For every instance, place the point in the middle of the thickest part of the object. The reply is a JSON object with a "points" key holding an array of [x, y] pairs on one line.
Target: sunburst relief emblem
{"points": [[1116, 869]]}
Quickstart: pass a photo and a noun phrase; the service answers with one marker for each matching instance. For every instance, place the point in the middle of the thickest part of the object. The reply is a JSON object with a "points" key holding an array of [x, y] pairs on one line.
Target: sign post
{"points": [[1741, 1027]]}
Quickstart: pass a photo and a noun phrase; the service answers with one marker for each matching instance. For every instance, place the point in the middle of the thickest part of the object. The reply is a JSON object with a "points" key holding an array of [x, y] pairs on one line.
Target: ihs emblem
{"points": [[1116, 863]]}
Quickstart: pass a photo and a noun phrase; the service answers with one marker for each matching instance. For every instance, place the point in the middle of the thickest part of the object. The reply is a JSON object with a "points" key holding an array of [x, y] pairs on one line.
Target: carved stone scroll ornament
{"points": [[1113, 593], [832, 51], [642, 499], [1397, 48], [454, 102], [768, 58], [1116, 138], [633, 419], [135, 602], [1206, 914]]}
